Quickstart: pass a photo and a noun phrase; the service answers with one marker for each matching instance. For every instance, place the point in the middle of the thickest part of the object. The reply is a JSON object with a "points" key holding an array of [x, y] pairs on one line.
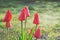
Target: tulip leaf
{"points": [[31, 35], [23, 35]]}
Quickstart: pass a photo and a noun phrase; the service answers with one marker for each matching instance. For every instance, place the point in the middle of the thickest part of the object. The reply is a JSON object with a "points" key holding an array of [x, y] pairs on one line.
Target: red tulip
{"points": [[8, 24], [22, 15], [8, 16], [37, 34], [27, 11], [36, 19]]}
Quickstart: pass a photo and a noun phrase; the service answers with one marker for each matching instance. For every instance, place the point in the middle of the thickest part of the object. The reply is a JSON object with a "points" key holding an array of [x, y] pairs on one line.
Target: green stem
{"points": [[25, 23], [25, 27], [7, 34], [22, 29], [36, 27], [21, 26], [7, 30], [36, 39]]}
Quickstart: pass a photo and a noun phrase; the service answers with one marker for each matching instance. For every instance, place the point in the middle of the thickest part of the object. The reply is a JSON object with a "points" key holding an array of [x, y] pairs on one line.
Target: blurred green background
{"points": [[49, 13]]}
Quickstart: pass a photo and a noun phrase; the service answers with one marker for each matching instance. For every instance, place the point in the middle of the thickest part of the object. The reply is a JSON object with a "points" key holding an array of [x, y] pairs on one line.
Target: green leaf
{"points": [[24, 35], [20, 37], [31, 35]]}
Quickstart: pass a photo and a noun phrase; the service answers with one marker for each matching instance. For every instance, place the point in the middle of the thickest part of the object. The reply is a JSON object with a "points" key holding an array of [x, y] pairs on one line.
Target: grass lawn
{"points": [[49, 13]]}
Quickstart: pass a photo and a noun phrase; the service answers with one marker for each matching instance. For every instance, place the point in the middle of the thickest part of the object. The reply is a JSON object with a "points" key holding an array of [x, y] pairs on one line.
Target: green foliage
{"points": [[30, 36], [31, 8]]}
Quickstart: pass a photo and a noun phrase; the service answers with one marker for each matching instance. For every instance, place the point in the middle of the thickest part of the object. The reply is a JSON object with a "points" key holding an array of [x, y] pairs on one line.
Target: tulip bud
{"points": [[37, 34], [36, 19], [22, 15], [7, 17], [27, 11]]}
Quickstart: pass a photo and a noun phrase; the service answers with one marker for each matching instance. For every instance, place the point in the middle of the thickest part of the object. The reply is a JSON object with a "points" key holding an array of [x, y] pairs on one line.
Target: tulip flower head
{"points": [[36, 19], [37, 34], [22, 15], [8, 16], [27, 11]]}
